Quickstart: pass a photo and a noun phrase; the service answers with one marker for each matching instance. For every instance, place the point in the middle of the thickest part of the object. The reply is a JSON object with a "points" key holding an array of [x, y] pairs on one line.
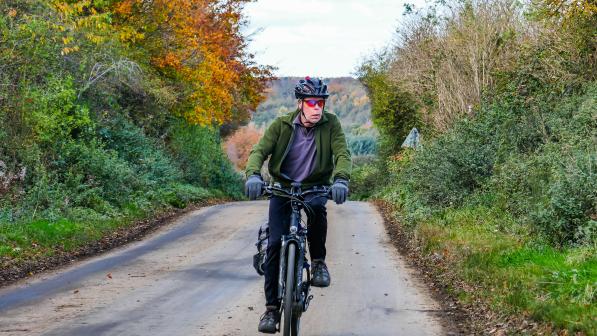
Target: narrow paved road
{"points": [[194, 277]]}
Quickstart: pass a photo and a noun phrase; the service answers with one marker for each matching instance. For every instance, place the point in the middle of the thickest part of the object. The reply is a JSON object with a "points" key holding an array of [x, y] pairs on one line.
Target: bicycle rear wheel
{"points": [[290, 327]]}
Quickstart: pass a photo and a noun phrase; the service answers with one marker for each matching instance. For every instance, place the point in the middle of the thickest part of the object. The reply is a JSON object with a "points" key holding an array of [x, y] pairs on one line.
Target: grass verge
{"points": [[521, 285], [37, 245]]}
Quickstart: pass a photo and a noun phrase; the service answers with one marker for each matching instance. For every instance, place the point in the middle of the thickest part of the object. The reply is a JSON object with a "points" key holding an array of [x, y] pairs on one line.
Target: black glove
{"points": [[339, 191], [254, 187]]}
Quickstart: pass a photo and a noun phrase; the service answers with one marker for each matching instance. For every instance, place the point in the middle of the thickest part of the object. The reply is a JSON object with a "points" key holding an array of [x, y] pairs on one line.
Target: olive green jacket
{"points": [[332, 159]]}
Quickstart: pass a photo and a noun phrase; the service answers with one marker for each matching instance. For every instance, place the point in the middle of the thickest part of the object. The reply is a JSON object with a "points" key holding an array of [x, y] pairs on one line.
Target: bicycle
{"points": [[292, 290]]}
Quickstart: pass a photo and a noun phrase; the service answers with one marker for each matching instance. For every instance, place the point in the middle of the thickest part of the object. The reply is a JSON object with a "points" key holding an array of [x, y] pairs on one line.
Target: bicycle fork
{"points": [[283, 265], [301, 295]]}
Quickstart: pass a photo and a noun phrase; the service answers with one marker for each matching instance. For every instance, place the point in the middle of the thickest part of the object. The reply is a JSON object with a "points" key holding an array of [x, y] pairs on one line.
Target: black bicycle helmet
{"points": [[311, 87]]}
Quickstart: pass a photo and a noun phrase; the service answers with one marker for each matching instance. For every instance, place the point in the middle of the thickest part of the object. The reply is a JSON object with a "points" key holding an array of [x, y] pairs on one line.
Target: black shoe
{"points": [[321, 276], [268, 321]]}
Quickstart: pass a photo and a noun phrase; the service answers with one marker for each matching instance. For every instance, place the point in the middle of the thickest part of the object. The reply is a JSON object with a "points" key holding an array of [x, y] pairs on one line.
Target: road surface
{"points": [[194, 277]]}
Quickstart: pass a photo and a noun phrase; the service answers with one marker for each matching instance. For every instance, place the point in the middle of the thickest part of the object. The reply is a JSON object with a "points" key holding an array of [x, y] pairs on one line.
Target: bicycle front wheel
{"points": [[288, 324]]}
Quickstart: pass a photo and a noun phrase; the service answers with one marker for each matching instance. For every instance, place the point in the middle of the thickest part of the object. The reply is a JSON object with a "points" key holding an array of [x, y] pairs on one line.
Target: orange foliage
{"points": [[238, 146], [196, 44]]}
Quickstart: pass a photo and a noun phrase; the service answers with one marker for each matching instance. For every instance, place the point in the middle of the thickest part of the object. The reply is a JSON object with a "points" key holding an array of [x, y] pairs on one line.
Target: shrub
{"points": [[180, 195], [364, 178], [451, 167], [393, 109], [199, 153], [52, 112], [147, 157], [569, 212], [238, 145], [361, 145]]}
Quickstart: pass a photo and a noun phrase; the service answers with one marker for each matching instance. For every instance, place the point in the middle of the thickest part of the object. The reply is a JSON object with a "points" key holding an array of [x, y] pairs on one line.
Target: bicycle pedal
{"points": [[307, 301]]}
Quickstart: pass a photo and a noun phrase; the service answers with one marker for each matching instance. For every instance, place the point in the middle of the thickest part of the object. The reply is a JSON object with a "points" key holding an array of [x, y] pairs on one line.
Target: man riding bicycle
{"points": [[306, 146]]}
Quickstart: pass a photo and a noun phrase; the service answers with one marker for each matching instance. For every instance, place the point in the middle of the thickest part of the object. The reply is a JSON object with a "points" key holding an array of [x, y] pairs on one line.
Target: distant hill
{"points": [[348, 100]]}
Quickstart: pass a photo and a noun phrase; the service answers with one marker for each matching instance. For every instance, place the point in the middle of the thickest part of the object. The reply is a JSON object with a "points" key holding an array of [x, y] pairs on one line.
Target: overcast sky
{"points": [[326, 38]]}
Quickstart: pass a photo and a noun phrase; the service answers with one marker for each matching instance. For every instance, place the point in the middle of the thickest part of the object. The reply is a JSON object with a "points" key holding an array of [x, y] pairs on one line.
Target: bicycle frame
{"points": [[299, 240]]}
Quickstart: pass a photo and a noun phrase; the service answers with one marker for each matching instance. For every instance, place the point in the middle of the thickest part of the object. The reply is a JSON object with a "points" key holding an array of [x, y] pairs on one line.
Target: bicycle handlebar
{"points": [[322, 190]]}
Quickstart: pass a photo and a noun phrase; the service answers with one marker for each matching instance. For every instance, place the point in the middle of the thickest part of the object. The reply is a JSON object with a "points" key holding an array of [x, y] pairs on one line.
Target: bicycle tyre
{"points": [[295, 324], [289, 289]]}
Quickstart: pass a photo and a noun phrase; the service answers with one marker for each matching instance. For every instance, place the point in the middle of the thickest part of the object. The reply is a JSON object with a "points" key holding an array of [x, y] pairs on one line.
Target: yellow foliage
{"points": [[196, 43], [68, 50], [81, 17], [569, 8]]}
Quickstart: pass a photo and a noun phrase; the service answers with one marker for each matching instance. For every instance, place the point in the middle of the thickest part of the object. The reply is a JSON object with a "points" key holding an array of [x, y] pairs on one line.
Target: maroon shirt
{"points": [[300, 159]]}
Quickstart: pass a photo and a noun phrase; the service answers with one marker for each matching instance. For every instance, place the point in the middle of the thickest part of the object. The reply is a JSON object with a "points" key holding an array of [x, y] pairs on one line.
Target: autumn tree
{"points": [[238, 146], [198, 45], [195, 46]]}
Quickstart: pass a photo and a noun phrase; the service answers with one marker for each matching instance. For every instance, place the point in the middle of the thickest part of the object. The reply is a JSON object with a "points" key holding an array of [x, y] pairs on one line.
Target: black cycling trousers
{"points": [[279, 225]]}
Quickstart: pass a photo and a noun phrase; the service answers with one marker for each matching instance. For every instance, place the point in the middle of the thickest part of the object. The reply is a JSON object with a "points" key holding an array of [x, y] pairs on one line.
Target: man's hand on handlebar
{"points": [[254, 187], [339, 191]]}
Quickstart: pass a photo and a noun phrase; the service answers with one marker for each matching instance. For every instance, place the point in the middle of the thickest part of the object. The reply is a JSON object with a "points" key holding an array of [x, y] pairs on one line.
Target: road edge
{"points": [[456, 318]]}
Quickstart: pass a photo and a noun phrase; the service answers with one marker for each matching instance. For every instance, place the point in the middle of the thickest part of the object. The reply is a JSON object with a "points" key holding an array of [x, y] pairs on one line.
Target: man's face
{"points": [[313, 109]]}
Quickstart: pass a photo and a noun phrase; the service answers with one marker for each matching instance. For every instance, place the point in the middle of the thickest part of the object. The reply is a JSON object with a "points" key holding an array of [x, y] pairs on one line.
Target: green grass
{"points": [[40, 238], [19, 240], [512, 271], [27, 240]]}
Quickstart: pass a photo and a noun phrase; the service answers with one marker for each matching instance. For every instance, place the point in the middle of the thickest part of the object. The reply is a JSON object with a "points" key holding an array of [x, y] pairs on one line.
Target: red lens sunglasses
{"points": [[313, 102]]}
